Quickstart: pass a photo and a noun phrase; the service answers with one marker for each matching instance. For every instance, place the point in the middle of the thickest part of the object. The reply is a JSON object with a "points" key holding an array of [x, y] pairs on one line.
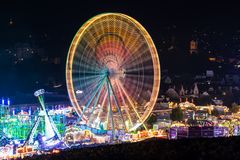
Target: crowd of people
{"points": [[198, 149]]}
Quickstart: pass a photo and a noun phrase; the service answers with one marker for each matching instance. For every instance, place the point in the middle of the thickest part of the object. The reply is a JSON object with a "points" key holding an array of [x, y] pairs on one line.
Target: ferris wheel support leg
{"points": [[98, 96], [103, 102], [90, 101], [121, 95], [110, 112], [116, 101], [132, 105]]}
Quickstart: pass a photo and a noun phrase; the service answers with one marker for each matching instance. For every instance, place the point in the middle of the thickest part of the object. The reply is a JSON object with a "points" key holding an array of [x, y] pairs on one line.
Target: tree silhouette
{"points": [[215, 112], [177, 114]]}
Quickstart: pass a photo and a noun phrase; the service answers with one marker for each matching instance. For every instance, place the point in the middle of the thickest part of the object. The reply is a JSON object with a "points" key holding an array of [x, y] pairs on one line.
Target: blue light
{"points": [[2, 101], [29, 111], [8, 102]]}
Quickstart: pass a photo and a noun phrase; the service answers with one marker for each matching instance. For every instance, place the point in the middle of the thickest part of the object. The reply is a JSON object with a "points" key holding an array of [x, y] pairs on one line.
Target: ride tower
{"points": [[50, 131]]}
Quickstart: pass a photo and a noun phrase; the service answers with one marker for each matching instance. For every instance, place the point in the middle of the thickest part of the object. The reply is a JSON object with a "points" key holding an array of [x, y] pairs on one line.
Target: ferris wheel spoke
{"points": [[95, 103], [126, 32], [86, 72], [138, 81], [132, 105], [110, 111], [137, 86], [136, 75], [88, 78], [101, 28], [86, 87], [135, 58], [84, 97], [120, 43], [124, 50], [89, 72], [116, 101], [84, 49], [129, 35], [90, 33], [94, 81], [132, 61], [94, 94], [88, 84], [89, 65], [134, 43], [90, 89], [88, 59], [132, 83], [140, 61], [133, 89], [103, 102], [124, 103], [97, 98], [99, 110], [86, 67], [91, 59], [140, 47], [137, 69]]}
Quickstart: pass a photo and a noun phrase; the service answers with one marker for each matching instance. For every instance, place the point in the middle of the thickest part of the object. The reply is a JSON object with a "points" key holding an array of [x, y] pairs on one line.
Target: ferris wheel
{"points": [[113, 72]]}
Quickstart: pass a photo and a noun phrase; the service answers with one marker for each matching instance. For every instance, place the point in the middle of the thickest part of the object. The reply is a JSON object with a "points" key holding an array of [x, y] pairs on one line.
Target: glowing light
{"points": [[2, 101], [8, 102], [39, 92], [79, 92]]}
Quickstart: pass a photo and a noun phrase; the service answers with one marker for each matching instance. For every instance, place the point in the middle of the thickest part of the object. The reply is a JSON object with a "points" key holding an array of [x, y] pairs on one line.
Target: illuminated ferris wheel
{"points": [[113, 72]]}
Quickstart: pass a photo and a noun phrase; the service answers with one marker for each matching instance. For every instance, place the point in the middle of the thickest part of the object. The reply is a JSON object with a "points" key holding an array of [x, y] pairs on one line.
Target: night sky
{"points": [[52, 25], [60, 20]]}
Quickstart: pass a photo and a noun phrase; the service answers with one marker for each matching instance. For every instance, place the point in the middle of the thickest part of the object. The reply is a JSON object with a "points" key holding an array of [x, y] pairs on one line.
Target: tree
{"points": [[152, 119], [177, 114], [204, 100], [215, 112], [235, 108]]}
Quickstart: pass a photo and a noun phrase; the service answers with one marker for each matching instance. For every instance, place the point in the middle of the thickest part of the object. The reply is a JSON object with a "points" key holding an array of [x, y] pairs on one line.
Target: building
{"points": [[193, 47]]}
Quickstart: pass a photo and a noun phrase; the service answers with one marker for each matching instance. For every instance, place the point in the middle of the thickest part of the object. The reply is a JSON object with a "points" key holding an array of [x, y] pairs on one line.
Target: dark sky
{"points": [[60, 20]]}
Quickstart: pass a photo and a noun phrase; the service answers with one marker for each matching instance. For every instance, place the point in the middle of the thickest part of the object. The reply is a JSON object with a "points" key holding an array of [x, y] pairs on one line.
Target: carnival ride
{"points": [[113, 73], [51, 136]]}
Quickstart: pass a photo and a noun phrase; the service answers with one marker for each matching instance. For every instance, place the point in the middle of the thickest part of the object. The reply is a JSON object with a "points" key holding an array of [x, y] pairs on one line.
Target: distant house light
{"points": [[212, 59]]}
